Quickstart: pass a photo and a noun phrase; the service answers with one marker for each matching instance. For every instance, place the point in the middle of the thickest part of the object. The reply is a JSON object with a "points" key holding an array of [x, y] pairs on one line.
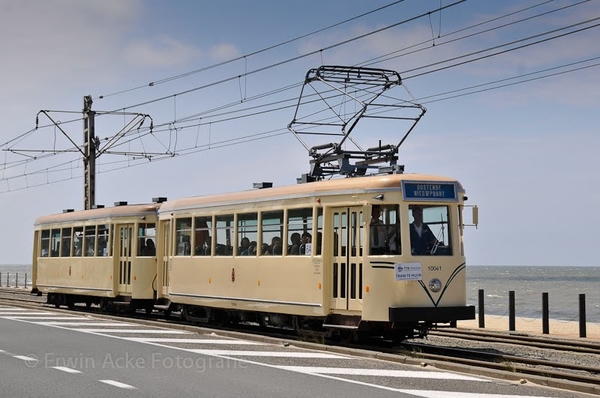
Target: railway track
{"points": [[517, 356]]}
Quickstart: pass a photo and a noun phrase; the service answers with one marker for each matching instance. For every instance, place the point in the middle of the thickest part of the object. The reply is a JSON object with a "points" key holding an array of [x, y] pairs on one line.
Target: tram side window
{"points": [[45, 246], [300, 230], [247, 230], [55, 252], [319, 240], [203, 229], [183, 233], [78, 241], [385, 230], [272, 231], [429, 230], [102, 249], [146, 239], [89, 240], [224, 224], [340, 235], [65, 244]]}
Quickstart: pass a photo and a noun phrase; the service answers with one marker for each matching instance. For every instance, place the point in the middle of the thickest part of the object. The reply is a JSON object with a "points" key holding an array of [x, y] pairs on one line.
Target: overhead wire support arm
{"points": [[57, 125]]}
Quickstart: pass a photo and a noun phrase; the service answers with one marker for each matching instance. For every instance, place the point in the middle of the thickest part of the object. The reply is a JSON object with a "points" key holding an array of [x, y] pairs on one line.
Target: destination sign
{"points": [[445, 191]]}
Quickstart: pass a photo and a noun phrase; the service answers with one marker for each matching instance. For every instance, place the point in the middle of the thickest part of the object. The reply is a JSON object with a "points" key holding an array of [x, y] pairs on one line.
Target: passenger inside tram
{"points": [[422, 240], [244, 249], [275, 247], [150, 248], [296, 241], [306, 247]]}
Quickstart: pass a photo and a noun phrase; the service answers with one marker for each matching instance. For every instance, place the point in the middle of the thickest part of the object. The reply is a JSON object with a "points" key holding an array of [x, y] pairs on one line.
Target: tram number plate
{"points": [[434, 267], [408, 271]]}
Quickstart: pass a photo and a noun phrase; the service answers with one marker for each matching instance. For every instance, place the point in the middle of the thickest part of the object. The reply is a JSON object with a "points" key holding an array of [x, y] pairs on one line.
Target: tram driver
{"points": [[422, 240]]}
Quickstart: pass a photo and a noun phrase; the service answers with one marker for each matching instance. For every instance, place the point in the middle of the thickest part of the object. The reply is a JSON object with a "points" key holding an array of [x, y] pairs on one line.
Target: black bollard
{"points": [[582, 321], [17, 280], [545, 314], [511, 311], [481, 309]]}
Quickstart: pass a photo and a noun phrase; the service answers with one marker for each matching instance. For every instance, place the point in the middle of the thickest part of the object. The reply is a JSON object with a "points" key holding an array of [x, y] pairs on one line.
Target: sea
{"points": [[564, 286]]}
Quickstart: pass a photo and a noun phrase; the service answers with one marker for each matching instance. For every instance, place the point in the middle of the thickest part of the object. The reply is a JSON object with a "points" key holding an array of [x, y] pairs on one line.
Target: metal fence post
{"points": [[481, 307], [582, 320], [17, 280], [511, 310], [25, 280], [545, 314]]}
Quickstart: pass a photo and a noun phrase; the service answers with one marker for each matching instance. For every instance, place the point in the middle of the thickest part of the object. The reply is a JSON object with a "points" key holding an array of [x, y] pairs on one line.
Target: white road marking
{"points": [[13, 313], [381, 372], [25, 358], [118, 384], [458, 394], [285, 354], [141, 331], [65, 369], [48, 318], [84, 324], [201, 341]]}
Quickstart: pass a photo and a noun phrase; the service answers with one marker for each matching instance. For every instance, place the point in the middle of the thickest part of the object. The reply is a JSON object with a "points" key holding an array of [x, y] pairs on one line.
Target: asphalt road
{"points": [[48, 354]]}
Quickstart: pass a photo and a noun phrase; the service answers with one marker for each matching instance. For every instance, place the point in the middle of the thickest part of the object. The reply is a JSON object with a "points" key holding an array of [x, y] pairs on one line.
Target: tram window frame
{"points": [[89, 239], [299, 221], [77, 242], [224, 231], [247, 227], [146, 231], [102, 238], [316, 248], [440, 228], [272, 223], [45, 243], [202, 235], [390, 218], [183, 236], [65, 241], [55, 242]]}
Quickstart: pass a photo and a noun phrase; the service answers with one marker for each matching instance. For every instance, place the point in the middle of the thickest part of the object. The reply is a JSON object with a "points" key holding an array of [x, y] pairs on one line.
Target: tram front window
{"points": [[385, 230], [429, 232]]}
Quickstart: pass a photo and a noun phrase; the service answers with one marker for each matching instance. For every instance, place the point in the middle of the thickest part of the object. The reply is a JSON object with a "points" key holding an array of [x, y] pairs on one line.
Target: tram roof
{"points": [[389, 182], [105, 212]]}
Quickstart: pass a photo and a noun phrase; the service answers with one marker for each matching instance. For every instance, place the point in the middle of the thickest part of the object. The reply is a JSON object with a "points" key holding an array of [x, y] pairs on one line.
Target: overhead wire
{"points": [[281, 132], [253, 53]]}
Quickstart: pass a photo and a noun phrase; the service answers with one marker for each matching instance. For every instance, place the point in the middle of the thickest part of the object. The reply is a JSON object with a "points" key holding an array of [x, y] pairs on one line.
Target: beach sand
{"points": [[557, 328]]}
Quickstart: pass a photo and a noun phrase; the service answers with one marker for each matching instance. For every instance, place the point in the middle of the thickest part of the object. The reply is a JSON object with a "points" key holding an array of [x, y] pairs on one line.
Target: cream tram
{"points": [[372, 255], [102, 256], [333, 256]]}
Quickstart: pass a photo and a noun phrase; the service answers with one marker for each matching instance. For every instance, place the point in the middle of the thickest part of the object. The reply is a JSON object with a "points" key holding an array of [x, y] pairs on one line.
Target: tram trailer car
{"points": [[100, 256], [237, 257]]}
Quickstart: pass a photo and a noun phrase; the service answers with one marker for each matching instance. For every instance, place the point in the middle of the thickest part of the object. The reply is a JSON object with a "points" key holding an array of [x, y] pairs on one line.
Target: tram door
{"points": [[166, 255], [125, 244], [348, 239]]}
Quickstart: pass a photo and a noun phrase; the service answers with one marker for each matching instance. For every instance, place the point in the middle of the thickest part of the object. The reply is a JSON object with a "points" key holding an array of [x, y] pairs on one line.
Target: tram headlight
{"points": [[435, 285]]}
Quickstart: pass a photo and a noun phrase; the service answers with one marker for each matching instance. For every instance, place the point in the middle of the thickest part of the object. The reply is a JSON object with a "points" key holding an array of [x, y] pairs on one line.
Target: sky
{"points": [[512, 92]]}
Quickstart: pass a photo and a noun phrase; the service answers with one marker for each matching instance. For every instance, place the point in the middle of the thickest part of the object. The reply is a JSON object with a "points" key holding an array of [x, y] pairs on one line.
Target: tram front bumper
{"points": [[431, 314]]}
